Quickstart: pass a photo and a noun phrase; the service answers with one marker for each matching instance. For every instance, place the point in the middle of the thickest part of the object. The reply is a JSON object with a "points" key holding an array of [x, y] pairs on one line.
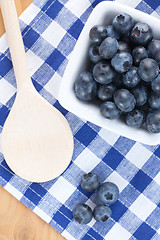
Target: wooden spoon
{"points": [[37, 141]]}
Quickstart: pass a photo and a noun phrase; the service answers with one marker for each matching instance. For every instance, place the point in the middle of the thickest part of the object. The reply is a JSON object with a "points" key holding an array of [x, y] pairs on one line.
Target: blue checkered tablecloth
{"points": [[50, 30]]}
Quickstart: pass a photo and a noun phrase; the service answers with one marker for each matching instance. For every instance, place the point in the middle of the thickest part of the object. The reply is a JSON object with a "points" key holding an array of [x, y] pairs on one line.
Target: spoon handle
{"points": [[16, 45]]}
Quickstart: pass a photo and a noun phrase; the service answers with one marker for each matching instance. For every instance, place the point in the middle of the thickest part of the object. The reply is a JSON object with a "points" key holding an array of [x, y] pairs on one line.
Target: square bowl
{"points": [[103, 13]]}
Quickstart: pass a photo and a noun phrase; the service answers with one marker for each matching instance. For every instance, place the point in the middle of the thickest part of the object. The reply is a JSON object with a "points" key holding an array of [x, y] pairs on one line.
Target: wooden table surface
{"points": [[17, 222]]}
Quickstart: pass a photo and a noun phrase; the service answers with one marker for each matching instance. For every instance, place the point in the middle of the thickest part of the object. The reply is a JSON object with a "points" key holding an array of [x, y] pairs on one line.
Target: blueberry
{"points": [[140, 94], [141, 34], [111, 32], [123, 23], [109, 110], [154, 100], [148, 69], [138, 54], [108, 193], [122, 61], [123, 47], [131, 78], [82, 213], [97, 33], [94, 53], [135, 118], [106, 91], [155, 84], [85, 87], [90, 182], [154, 50], [124, 100], [103, 72], [153, 122], [108, 48], [101, 213]]}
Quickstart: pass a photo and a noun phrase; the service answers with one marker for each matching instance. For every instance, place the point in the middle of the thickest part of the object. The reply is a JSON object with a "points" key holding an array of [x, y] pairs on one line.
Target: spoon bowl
{"points": [[36, 139]]}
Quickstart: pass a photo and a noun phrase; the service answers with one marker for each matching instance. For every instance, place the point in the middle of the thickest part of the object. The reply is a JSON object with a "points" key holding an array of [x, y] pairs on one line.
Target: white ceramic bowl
{"points": [[103, 13]]}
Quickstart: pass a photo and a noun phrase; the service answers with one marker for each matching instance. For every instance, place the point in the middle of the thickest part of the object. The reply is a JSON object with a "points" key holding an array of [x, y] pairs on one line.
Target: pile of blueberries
{"points": [[124, 73], [107, 193]]}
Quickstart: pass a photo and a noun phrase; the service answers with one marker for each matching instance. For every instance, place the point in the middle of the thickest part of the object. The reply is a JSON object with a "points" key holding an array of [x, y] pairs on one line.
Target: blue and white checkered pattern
{"points": [[50, 30]]}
